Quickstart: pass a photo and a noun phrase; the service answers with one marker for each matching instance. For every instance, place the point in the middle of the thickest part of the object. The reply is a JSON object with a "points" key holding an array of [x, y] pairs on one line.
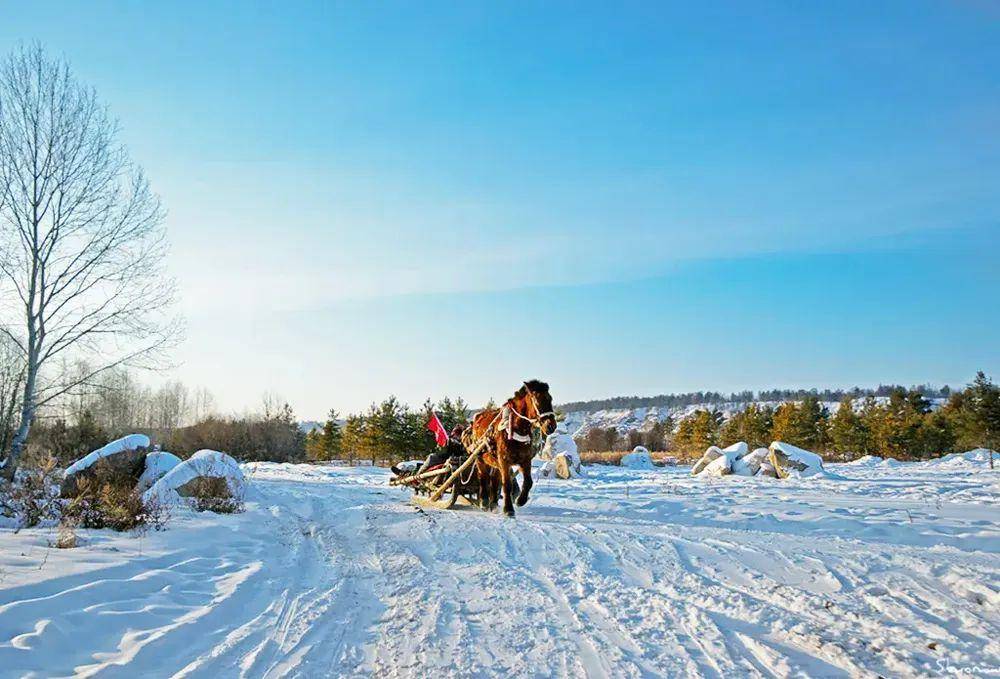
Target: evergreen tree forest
{"points": [[901, 425]]}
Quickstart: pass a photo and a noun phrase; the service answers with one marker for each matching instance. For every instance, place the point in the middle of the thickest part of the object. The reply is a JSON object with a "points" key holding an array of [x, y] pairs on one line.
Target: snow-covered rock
{"points": [[204, 464], [790, 460], [558, 442], [639, 458], [158, 463], [126, 455], [720, 466], [564, 465], [767, 470], [749, 464], [719, 461]]}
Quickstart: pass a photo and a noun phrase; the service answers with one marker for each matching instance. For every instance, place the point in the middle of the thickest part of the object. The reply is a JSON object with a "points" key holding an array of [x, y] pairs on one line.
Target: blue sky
{"points": [[431, 198]]}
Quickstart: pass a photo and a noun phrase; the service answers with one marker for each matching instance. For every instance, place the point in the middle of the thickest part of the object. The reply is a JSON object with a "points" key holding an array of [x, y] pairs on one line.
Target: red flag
{"points": [[440, 435]]}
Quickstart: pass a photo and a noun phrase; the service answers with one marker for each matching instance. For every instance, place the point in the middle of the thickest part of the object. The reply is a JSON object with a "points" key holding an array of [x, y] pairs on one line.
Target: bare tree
{"points": [[81, 238], [11, 384]]}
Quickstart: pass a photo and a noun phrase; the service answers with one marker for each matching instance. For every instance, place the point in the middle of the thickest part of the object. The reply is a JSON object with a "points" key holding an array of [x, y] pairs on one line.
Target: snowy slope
{"points": [[892, 570]]}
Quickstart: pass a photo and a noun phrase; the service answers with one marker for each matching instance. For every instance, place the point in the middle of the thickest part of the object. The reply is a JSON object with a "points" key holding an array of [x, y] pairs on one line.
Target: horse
{"points": [[508, 431]]}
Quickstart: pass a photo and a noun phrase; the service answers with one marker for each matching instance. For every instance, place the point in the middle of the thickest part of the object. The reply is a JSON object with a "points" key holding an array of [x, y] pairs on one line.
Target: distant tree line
{"points": [[179, 419], [718, 398]]}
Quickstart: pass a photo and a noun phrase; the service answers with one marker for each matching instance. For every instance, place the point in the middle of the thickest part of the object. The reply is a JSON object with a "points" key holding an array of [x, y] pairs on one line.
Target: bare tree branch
{"points": [[82, 245]]}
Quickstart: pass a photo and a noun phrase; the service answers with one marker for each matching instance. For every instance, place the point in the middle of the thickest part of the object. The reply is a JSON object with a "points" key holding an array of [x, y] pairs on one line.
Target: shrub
{"points": [[108, 499], [33, 496]]}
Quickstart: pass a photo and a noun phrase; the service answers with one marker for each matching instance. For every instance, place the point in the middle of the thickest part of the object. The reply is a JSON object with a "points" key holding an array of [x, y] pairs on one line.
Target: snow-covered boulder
{"points": [[181, 481], [767, 470], [749, 464], [713, 453], [125, 456], [558, 442], [639, 458], [788, 460], [158, 463], [564, 465], [719, 461]]}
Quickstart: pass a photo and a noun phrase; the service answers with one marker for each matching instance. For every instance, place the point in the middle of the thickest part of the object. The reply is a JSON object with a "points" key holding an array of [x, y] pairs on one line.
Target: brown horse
{"points": [[508, 430]]}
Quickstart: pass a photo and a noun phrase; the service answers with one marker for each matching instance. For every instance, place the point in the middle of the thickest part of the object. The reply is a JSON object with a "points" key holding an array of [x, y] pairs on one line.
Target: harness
{"points": [[508, 413]]}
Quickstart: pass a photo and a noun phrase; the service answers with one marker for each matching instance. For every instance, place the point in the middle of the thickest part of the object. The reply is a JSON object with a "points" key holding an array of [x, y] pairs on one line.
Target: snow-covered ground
{"points": [[891, 569]]}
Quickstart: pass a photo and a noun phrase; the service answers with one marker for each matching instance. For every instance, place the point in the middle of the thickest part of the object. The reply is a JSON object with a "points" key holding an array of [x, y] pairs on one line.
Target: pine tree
{"points": [[751, 425], [847, 431], [330, 438], [784, 422]]}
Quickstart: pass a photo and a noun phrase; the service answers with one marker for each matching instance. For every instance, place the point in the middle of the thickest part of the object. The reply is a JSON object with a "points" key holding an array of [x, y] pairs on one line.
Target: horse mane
{"points": [[536, 386]]}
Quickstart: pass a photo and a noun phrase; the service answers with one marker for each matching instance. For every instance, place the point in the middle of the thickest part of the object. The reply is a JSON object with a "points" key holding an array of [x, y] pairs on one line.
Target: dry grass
{"points": [[108, 499], [211, 494], [614, 457]]}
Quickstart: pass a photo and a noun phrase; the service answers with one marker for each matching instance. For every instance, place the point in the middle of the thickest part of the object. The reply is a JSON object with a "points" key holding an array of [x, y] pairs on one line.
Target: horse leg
{"points": [[485, 485], [494, 488], [526, 484], [508, 501]]}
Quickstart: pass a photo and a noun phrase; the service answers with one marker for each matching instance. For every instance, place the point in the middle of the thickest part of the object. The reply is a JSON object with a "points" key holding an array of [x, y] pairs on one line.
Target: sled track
{"points": [[332, 573]]}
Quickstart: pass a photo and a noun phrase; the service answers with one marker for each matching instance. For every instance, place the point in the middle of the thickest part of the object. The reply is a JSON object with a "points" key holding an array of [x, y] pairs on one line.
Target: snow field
{"points": [[889, 570]]}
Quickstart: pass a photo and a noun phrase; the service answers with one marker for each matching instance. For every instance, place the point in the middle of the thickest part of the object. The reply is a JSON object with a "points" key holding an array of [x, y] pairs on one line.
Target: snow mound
{"points": [[970, 458], [558, 442], [158, 464], [866, 461], [639, 458], [203, 464], [125, 443], [789, 460]]}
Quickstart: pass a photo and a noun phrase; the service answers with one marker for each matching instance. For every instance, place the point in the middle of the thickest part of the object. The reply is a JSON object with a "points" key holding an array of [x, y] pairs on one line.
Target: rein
{"points": [[535, 421], [505, 418]]}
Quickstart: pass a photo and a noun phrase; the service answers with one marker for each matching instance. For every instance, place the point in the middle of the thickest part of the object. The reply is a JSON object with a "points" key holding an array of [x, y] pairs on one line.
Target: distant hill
{"points": [[676, 401], [627, 413]]}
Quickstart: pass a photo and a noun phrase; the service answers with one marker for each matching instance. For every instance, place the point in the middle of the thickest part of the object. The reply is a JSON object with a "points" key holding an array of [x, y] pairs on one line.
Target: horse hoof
{"points": [[521, 501], [509, 513]]}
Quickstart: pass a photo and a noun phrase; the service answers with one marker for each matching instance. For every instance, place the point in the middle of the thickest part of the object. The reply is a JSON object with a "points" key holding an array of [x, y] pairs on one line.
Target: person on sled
{"points": [[453, 448], [449, 445]]}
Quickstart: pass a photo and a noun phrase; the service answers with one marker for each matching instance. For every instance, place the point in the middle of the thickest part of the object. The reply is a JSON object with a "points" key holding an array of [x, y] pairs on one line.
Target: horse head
{"points": [[538, 405]]}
